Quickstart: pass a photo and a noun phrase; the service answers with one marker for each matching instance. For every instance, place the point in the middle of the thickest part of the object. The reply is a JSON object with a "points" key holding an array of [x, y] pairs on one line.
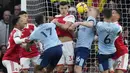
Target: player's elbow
{"points": [[88, 24], [18, 40]]}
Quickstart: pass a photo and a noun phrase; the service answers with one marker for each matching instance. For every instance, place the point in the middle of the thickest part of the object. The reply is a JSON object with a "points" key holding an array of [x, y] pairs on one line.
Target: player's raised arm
{"points": [[70, 19], [91, 21]]}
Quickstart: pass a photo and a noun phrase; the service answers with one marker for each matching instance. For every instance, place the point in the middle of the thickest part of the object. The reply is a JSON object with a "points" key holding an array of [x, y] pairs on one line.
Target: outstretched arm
{"points": [[70, 19], [85, 23], [91, 21]]}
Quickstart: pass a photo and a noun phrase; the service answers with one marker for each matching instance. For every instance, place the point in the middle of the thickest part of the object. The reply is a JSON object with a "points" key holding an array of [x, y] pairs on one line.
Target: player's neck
{"points": [[107, 20], [115, 20], [18, 27], [64, 14]]}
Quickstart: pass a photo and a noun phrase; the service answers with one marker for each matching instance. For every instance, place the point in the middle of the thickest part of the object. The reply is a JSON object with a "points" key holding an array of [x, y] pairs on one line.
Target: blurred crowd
{"points": [[7, 13]]}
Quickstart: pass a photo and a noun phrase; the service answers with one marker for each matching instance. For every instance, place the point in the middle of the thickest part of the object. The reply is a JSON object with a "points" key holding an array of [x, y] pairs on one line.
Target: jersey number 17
{"points": [[46, 34]]}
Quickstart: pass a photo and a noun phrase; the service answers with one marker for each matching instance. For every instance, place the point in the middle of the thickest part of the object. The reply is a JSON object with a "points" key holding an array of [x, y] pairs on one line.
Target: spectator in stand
{"points": [[2, 51], [1, 11], [17, 9], [4, 27]]}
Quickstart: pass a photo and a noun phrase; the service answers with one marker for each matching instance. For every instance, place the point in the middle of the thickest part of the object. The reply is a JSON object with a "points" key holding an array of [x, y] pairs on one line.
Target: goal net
{"points": [[48, 8]]}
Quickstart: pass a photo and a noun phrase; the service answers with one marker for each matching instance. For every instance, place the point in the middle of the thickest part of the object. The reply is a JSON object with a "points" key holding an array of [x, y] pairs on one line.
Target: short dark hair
{"points": [[22, 12], [107, 13], [63, 3], [15, 20], [118, 11], [39, 19]]}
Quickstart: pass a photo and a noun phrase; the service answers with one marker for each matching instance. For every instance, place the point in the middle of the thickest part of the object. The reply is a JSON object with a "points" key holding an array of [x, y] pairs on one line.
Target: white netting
{"points": [[35, 7]]}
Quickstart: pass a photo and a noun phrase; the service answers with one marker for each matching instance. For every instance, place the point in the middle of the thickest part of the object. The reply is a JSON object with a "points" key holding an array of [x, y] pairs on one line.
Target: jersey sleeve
{"points": [[52, 25], [69, 18], [119, 29], [17, 39], [34, 26], [33, 36], [90, 18], [98, 26]]}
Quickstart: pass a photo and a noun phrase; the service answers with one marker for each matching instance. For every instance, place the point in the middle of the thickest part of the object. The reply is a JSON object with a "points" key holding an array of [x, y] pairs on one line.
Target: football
{"points": [[81, 7]]}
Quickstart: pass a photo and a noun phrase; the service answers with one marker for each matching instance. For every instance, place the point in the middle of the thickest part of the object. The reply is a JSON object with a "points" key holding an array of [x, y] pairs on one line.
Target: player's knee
{"points": [[60, 68], [77, 69]]}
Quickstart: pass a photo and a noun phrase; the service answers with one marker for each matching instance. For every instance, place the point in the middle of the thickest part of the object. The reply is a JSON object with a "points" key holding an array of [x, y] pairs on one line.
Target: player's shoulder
{"points": [[57, 16], [49, 24], [115, 25], [16, 30], [99, 23], [118, 27], [69, 18]]}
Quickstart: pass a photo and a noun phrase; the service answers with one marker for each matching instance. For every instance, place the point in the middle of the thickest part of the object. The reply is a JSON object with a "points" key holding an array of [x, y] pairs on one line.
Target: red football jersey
{"points": [[25, 34], [12, 52], [60, 31], [120, 46]]}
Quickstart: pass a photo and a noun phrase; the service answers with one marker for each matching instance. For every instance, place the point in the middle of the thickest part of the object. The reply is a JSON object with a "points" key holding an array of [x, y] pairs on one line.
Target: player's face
{"points": [[92, 12], [115, 15], [24, 17], [63, 9], [22, 23]]}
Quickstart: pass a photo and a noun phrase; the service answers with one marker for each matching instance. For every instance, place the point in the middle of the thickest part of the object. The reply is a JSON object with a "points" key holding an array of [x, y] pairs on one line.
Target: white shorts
{"points": [[121, 63], [12, 67], [68, 53], [25, 62]]}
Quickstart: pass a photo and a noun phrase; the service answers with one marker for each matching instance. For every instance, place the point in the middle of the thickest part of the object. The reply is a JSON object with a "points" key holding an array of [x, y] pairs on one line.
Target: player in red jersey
{"points": [[121, 55], [65, 21], [27, 57], [11, 57]]}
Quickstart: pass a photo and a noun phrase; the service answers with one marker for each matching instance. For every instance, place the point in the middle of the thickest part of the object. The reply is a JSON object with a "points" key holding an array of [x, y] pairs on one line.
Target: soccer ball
{"points": [[82, 7]]}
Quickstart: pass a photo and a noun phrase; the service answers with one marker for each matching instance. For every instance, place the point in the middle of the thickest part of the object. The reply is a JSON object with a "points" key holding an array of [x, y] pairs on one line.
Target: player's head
{"points": [[39, 19], [23, 15], [107, 13], [116, 14], [63, 7], [18, 22], [93, 12]]}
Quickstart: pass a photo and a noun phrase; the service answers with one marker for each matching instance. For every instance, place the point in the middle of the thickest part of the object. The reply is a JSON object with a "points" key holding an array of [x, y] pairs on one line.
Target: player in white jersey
{"points": [[107, 33], [83, 44], [46, 34]]}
